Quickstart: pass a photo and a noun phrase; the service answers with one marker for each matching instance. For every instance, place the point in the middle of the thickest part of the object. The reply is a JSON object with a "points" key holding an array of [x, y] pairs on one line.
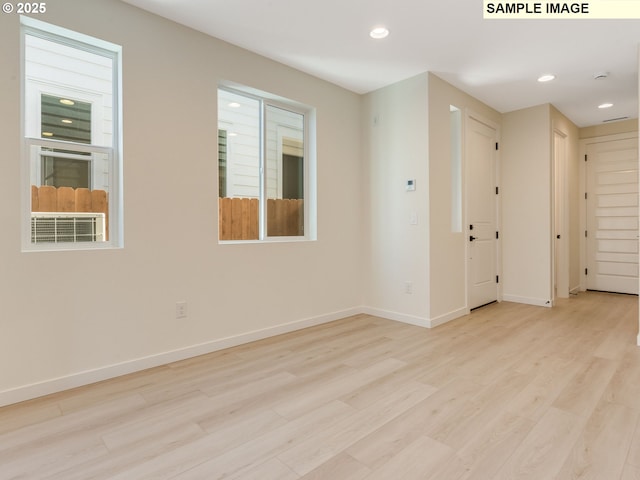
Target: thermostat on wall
{"points": [[411, 185]]}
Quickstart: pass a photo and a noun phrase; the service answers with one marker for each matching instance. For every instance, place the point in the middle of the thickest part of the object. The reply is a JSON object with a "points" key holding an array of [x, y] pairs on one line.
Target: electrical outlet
{"points": [[181, 310], [408, 287]]}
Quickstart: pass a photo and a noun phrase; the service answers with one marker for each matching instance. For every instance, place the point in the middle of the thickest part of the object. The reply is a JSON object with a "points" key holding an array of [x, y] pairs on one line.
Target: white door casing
{"points": [[481, 181], [561, 220], [612, 216]]}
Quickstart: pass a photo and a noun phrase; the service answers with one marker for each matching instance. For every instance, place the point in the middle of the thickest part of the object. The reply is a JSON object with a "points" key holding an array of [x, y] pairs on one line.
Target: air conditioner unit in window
{"points": [[55, 227]]}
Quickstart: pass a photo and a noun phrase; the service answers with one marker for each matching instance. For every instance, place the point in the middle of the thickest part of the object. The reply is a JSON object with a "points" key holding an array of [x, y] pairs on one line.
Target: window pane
{"points": [[65, 119], [239, 116], [239, 150], [284, 172], [65, 84], [66, 172], [67, 208]]}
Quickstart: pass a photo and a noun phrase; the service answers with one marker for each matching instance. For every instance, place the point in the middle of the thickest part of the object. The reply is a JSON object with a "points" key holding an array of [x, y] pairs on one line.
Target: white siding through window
{"points": [[56, 69], [243, 144]]}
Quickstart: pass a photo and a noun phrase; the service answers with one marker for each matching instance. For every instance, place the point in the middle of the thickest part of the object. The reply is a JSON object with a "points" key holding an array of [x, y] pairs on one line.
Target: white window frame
{"points": [[53, 33], [309, 163]]}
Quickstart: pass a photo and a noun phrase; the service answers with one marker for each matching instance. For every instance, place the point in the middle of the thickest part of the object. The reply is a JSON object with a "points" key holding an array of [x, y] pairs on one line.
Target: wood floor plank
{"points": [[322, 446], [630, 473], [633, 457], [544, 450], [253, 452], [24, 414], [583, 392], [479, 411], [553, 374], [624, 387], [116, 461], [489, 448], [382, 444], [210, 456], [23, 442], [511, 391], [272, 469], [601, 449], [298, 404], [342, 466], [418, 461]]}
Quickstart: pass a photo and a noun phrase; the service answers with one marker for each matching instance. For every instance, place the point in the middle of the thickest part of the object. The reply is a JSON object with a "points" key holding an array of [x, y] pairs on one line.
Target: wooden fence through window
{"points": [[67, 199], [238, 218]]}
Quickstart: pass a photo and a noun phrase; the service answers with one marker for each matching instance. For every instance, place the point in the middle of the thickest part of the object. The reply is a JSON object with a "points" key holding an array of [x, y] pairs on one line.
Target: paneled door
{"points": [[481, 206], [612, 216]]}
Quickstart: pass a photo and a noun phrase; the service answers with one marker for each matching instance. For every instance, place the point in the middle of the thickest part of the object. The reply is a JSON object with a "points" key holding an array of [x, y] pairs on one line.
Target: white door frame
{"points": [[560, 212], [583, 189], [470, 114]]}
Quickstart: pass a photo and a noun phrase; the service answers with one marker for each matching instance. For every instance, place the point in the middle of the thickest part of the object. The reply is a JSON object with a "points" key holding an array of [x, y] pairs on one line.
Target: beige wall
{"points": [[625, 126], [526, 205], [447, 250], [73, 317], [573, 185]]}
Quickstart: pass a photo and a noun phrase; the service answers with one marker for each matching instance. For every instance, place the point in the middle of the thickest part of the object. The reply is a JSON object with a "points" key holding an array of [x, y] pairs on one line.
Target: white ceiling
{"points": [[496, 61]]}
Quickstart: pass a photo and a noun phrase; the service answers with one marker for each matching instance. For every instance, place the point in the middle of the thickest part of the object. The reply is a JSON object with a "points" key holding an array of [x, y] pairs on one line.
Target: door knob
{"points": [[471, 238]]}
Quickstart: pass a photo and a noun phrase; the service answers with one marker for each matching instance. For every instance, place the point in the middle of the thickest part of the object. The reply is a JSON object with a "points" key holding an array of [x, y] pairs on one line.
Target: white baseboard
{"points": [[415, 320], [80, 379], [575, 290], [540, 302], [398, 317], [447, 317]]}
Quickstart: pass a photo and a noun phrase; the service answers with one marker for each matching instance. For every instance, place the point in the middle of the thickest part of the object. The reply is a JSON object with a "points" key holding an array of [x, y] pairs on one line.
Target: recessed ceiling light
{"points": [[605, 105], [379, 32], [66, 120], [546, 78], [66, 101], [234, 105]]}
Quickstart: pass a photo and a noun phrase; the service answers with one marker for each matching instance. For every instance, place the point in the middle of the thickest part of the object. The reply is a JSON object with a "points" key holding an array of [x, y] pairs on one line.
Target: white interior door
{"points": [[481, 208], [612, 216]]}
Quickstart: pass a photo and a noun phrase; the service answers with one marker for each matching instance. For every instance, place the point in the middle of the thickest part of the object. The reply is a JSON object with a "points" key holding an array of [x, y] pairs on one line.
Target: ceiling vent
{"points": [[614, 119]]}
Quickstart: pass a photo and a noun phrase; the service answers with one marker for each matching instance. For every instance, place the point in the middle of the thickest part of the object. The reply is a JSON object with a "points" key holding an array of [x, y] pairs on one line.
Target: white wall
{"points": [[525, 158], [73, 317], [395, 122]]}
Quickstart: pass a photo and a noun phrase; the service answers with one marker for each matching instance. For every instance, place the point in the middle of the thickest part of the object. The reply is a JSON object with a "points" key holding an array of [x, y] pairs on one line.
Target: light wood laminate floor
{"points": [[510, 392]]}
